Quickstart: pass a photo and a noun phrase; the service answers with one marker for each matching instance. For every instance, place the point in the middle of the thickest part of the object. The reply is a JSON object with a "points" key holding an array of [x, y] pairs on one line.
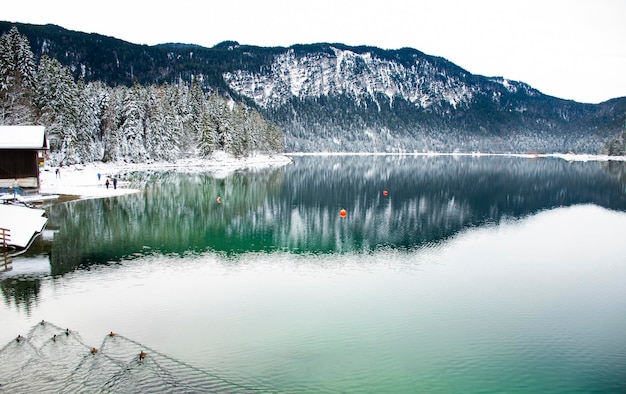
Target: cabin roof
{"points": [[23, 137]]}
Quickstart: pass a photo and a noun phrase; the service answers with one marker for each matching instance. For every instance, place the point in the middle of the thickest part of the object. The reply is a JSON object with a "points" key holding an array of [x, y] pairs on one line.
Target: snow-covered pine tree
{"points": [[271, 137], [617, 145], [57, 101], [94, 99], [17, 79], [88, 124], [206, 139], [151, 122], [179, 102], [111, 124], [133, 113], [163, 128], [220, 115], [197, 110], [174, 128], [240, 132]]}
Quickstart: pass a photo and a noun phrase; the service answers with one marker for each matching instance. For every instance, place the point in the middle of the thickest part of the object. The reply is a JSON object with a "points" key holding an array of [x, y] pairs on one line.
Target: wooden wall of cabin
{"points": [[22, 165]]}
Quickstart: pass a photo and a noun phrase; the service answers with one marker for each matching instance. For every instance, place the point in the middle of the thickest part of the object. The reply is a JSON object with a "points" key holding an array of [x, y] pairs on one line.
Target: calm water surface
{"points": [[471, 274]]}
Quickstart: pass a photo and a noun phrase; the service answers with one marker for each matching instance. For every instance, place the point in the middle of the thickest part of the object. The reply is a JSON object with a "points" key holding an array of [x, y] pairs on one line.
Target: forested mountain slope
{"points": [[91, 121], [333, 97]]}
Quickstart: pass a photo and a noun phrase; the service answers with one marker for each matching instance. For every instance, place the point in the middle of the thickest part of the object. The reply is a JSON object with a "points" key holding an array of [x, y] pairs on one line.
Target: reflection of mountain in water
{"points": [[296, 208], [430, 198]]}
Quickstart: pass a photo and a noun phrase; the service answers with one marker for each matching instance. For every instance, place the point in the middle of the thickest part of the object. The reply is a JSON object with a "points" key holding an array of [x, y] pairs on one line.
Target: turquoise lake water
{"points": [[470, 274]]}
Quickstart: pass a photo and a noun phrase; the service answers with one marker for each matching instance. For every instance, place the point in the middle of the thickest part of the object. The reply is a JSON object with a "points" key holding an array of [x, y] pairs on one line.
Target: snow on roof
{"points": [[23, 137], [23, 223]]}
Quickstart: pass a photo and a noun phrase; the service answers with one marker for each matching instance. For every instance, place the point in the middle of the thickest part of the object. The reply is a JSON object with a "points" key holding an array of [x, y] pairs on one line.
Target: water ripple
{"points": [[51, 359]]}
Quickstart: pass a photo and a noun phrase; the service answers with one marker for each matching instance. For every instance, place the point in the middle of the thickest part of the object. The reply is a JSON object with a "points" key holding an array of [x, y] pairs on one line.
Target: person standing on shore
{"points": [[114, 183], [106, 183]]}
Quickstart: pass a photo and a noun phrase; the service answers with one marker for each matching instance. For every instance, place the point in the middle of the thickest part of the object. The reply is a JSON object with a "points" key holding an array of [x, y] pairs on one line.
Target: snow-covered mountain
{"points": [[333, 97], [364, 76], [339, 98]]}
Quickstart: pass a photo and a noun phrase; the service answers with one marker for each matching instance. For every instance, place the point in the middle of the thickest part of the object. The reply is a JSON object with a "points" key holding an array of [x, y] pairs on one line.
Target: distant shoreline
{"points": [[564, 156], [81, 181]]}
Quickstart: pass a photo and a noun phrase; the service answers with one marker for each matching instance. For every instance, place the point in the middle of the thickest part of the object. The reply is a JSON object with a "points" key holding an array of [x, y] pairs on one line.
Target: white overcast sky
{"points": [[572, 49]]}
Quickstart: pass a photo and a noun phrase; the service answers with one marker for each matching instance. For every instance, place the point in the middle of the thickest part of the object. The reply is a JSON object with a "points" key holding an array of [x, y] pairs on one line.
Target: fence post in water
{"points": [[5, 237]]}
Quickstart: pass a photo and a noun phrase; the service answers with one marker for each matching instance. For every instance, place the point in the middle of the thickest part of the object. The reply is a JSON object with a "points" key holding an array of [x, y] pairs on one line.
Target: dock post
{"points": [[5, 259]]}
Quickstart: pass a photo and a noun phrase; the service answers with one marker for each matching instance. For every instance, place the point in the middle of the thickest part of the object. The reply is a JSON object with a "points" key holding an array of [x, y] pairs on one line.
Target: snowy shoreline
{"points": [[563, 156], [82, 180]]}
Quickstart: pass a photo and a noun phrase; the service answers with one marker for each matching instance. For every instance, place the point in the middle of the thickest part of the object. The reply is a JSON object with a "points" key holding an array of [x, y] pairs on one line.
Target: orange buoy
{"points": [[343, 213], [385, 192]]}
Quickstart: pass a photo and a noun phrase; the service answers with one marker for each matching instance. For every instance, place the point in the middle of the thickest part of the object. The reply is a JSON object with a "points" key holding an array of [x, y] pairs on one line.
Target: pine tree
{"points": [[163, 129], [221, 116], [238, 144], [111, 124], [206, 140], [17, 79], [174, 127], [57, 100], [132, 128], [617, 145], [89, 122], [94, 99], [197, 109]]}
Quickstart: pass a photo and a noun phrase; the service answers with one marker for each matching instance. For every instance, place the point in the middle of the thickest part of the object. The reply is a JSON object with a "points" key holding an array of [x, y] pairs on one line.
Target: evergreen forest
{"points": [[91, 121]]}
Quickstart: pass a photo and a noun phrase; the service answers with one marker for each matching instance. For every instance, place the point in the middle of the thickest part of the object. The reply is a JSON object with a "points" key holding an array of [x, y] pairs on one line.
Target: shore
{"points": [[82, 180], [89, 180]]}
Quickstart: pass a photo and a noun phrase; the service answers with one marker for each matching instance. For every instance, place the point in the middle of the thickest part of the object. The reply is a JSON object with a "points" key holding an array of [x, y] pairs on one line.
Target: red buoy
{"points": [[343, 213], [385, 192]]}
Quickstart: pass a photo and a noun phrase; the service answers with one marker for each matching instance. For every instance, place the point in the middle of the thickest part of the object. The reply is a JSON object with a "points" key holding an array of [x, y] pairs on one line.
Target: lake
{"points": [[447, 274]]}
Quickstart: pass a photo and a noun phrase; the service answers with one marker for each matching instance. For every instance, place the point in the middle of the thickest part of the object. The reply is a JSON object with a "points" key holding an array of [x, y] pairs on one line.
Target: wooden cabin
{"points": [[22, 150]]}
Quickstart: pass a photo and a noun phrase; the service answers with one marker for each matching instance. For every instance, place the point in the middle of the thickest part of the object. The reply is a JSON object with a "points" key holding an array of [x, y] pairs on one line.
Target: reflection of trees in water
{"points": [[430, 198], [20, 292], [296, 208], [617, 169], [175, 213]]}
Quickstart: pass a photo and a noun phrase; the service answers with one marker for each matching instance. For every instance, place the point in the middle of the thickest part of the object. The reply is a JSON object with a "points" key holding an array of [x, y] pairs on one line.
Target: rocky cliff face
{"points": [[365, 77]]}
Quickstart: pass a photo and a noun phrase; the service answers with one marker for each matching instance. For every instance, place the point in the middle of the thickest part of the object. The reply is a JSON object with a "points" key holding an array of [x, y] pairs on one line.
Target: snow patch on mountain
{"points": [[362, 76], [515, 86]]}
